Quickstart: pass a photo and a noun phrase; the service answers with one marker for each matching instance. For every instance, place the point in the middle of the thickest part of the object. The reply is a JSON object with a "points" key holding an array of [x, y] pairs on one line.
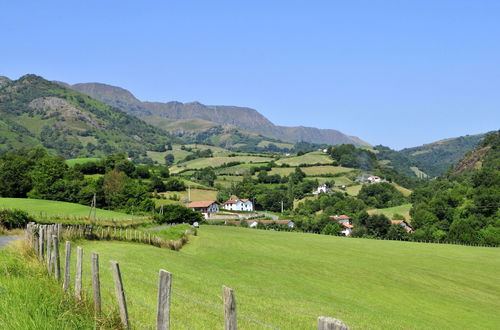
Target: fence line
{"points": [[35, 233]]}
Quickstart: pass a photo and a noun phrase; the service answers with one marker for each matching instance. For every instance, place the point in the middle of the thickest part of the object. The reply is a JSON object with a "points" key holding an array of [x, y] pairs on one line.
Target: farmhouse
{"points": [[323, 188], [374, 179], [341, 218], [205, 207], [405, 225], [254, 223], [238, 205], [345, 222]]}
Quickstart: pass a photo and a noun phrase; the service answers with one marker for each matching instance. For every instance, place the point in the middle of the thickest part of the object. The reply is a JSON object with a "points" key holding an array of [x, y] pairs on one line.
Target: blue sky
{"points": [[398, 73]]}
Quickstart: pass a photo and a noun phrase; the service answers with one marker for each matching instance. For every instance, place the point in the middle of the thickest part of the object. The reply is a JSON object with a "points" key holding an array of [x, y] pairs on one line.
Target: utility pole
{"points": [[93, 208], [189, 193], [281, 206]]}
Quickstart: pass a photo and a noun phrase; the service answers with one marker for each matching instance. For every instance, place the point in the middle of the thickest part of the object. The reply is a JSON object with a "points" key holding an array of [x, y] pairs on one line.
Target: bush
{"points": [[178, 214], [14, 218]]}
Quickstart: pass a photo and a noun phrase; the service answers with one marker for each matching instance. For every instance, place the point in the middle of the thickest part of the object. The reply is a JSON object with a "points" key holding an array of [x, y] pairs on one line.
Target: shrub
{"points": [[14, 218], [176, 214]]}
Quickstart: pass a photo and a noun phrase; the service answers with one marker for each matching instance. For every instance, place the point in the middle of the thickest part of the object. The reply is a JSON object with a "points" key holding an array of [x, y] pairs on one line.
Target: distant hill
{"points": [[34, 111], [240, 117], [443, 154]]}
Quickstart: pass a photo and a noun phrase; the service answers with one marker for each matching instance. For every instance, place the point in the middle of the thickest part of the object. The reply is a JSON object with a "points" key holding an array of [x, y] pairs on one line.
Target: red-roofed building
{"points": [[345, 222], [204, 207], [403, 223]]}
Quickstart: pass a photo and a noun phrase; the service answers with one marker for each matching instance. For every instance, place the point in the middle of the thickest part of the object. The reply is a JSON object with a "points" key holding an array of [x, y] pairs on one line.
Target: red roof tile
{"points": [[200, 204]]}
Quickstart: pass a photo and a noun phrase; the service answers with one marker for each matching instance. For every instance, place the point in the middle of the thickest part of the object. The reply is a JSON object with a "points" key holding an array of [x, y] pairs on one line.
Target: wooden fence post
{"points": [[120, 293], [230, 316], [41, 245], [96, 284], [55, 259], [48, 236], [329, 323], [78, 275], [164, 287], [67, 264]]}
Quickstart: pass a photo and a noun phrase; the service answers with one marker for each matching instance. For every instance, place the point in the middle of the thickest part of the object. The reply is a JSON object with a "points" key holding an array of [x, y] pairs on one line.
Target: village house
{"points": [[238, 205], [403, 223], [374, 179], [345, 222], [205, 207], [322, 189]]}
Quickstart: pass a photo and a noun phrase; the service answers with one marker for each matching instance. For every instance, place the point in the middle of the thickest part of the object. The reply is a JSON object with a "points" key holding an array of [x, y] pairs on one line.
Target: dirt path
{"points": [[4, 240]]}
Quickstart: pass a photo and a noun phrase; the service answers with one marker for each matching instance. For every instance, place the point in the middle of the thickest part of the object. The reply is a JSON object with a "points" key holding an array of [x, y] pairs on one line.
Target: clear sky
{"points": [[399, 73]]}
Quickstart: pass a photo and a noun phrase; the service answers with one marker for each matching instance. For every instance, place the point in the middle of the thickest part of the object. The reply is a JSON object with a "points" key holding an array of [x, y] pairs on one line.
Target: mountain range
{"points": [[229, 117]]}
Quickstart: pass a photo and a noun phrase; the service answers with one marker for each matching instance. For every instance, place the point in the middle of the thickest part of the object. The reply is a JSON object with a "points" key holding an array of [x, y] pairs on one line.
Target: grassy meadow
{"points": [[54, 209], [217, 161], [287, 280], [390, 211], [309, 158]]}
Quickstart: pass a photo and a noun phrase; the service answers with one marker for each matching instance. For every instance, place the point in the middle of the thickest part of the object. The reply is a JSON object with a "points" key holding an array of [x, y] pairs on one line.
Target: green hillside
{"points": [[286, 280], [54, 209], [34, 111], [443, 154]]}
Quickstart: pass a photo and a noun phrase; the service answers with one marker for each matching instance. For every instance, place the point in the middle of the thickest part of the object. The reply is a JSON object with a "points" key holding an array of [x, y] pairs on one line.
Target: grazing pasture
{"points": [[196, 195], [217, 161], [309, 158], [287, 280], [54, 209], [390, 211]]}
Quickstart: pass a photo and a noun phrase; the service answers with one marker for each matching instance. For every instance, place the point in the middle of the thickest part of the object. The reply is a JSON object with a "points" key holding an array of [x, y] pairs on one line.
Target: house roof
{"points": [[244, 200], [340, 217], [407, 226], [347, 225], [201, 204], [231, 201]]}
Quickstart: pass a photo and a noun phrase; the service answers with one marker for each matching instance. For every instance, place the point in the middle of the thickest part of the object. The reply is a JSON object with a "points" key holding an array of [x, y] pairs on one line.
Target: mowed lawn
{"points": [[46, 208], [287, 280]]}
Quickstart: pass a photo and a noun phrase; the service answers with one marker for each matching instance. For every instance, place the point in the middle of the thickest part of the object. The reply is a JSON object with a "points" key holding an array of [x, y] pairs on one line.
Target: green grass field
{"points": [[287, 280], [217, 161], [32, 300], [309, 158], [74, 161], [390, 211], [196, 195], [47, 209]]}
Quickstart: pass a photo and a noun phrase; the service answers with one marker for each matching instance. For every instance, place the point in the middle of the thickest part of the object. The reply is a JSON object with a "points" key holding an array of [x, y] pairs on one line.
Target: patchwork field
{"points": [[309, 158], [217, 161], [286, 280], [48, 209]]}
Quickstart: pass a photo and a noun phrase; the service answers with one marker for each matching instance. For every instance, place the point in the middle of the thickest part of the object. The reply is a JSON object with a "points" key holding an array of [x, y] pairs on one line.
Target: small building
{"points": [[205, 207], [346, 228], [254, 223], [403, 223], [374, 179], [341, 218], [322, 189], [238, 205]]}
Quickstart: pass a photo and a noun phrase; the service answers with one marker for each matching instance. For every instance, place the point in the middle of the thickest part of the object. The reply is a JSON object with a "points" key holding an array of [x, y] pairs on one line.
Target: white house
{"points": [[345, 222], [205, 207], [238, 205], [374, 179], [322, 188]]}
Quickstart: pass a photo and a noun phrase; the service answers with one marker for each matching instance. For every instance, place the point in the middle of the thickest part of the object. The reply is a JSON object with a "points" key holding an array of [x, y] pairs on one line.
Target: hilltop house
{"points": [[322, 188], [238, 205], [205, 207], [405, 225], [374, 179], [345, 222]]}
